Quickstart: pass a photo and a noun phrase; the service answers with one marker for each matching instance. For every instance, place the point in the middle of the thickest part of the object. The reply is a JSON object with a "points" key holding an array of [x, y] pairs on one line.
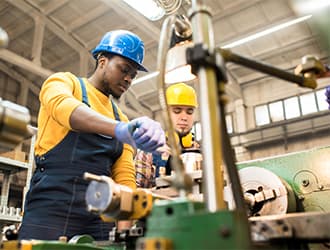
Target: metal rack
{"points": [[8, 167]]}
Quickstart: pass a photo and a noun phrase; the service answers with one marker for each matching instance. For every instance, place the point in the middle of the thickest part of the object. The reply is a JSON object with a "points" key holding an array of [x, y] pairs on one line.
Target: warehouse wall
{"points": [[307, 131]]}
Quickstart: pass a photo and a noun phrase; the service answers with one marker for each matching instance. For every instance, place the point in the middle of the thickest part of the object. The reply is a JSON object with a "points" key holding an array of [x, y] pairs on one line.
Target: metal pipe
{"points": [[213, 182], [181, 180], [229, 159]]}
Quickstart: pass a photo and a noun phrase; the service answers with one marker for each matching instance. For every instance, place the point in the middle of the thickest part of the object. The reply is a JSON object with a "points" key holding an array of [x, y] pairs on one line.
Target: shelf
{"points": [[8, 167], [10, 215], [12, 165]]}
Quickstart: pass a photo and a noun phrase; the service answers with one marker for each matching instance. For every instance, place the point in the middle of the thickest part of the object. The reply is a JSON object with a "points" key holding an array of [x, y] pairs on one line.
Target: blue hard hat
{"points": [[123, 43]]}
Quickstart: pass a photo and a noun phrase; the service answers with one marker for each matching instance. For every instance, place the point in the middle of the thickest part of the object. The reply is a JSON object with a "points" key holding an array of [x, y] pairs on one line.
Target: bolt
{"points": [[97, 195], [225, 232], [301, 197], [141, 245], [280, 222], [305, 183], [158, 244], [263, 228], [285, 228]]}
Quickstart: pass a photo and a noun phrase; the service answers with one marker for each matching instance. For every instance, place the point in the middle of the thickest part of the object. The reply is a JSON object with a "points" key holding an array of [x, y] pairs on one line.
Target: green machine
{"points": [[289, 193], [305, 174]]}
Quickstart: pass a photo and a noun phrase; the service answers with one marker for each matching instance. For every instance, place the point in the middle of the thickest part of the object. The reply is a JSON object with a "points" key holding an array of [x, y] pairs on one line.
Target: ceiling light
{"points": [[309, 6], [3, 38], [146, 77], [177, 69], [148, 8], [266, 32]]}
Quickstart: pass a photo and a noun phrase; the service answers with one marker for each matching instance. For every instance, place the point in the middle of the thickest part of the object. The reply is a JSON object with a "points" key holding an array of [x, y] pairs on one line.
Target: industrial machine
{"points": [[276, 203], [14, 124]]}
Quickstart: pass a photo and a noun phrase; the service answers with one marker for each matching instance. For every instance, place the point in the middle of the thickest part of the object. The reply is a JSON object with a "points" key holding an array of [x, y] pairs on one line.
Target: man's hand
{"points": [[164, 150], [143, 133]]}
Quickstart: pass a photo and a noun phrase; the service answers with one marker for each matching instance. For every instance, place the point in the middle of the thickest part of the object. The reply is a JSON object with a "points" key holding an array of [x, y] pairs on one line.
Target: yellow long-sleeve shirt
{"points": [[60, 94]]}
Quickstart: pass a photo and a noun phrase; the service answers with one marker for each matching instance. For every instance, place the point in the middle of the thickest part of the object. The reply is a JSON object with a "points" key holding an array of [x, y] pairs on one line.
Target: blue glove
{"points": [[327, 93], [143, 133]]}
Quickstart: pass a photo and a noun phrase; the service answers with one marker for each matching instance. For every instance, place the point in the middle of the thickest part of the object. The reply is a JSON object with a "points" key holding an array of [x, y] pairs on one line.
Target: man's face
{"points": [[117, 77], [182, 118]]}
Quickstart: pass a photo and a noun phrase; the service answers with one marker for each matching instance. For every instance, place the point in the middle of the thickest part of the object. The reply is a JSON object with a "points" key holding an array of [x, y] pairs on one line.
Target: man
{"points": [[327, 94], [182, 101], [81, 130]]}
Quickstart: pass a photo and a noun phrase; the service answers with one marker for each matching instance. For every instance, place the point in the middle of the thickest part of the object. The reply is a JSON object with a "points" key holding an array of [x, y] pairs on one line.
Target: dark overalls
{"points": [[55, 204]]}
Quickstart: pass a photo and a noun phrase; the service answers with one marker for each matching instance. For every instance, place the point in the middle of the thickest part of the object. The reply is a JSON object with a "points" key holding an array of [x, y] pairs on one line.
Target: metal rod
{"points": [[161, 197], [229, 56], [229, 159], [200, 18]]}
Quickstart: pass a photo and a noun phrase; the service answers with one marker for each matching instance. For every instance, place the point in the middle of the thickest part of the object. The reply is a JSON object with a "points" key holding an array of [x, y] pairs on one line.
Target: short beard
{"points": [[108, 91], [182, 133]]}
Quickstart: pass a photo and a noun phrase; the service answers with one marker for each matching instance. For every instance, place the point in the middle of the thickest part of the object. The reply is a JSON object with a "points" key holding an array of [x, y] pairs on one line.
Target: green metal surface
{"points": [[189, 226], [64, 246], [49, 245], [307, 172]]}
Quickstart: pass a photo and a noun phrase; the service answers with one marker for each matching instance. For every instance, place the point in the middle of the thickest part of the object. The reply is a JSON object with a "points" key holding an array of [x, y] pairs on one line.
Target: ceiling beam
{"points": [[130, 113], [51, 25], [137, 106], [52, 6], [124, 10], [100, 10], [26, 86], [38, 37], [84, 58], [20, 78], [241, 6], [71, 56], [23, 63]]}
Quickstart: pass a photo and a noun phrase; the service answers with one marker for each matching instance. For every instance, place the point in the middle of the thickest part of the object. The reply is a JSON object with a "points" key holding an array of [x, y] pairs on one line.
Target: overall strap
{"points": [[84, 92], [85, 99], [115, 111]]}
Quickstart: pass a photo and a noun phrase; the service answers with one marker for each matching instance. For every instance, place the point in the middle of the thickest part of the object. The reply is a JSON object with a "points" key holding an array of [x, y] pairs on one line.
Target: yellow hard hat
{"points": [[181, 94]]}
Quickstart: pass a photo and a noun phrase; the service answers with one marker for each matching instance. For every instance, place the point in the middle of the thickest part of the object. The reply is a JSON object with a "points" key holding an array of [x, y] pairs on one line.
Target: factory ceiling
{"points": [[47, 36]]}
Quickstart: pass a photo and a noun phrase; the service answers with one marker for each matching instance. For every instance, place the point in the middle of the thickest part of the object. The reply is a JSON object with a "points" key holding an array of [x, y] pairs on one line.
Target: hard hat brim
{"points": [[140, 67]]}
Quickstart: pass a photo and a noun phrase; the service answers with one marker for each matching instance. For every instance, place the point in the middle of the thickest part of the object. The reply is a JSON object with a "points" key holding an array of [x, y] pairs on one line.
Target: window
{"points": [[197, 129], [262, 115], [276, 111], [229, 124], [291, 107], [308, 103]]}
